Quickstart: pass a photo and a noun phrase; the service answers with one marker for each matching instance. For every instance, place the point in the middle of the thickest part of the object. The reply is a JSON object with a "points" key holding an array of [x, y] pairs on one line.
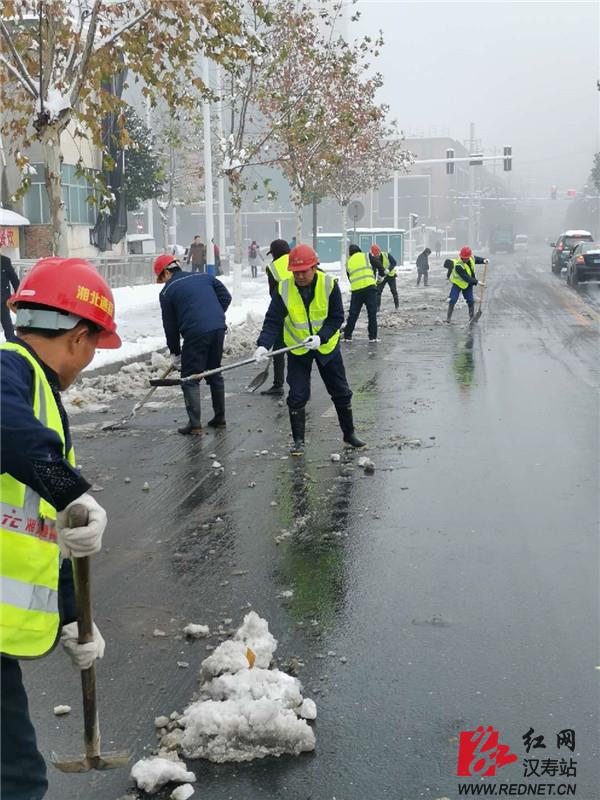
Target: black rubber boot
{"points": [[274, 391], [217, 394], [450, 310], [298, 424], [191, 397], [347, 425], [471, 310]]}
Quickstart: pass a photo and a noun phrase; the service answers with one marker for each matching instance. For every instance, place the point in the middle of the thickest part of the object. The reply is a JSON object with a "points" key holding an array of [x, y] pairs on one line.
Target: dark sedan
{"points": [[584, 264], [563, 248]]}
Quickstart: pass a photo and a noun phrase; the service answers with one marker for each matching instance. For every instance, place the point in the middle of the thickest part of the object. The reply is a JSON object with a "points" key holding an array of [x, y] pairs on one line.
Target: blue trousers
{"points": [[203, 352], [332, 372], [367, 297], [22, 768], [455, 292]]}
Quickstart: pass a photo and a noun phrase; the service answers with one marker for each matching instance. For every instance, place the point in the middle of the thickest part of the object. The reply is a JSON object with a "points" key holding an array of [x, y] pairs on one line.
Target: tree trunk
{"points": [[164, 224], [344, 246], [53, 157], [236, 203], [299, 209]]}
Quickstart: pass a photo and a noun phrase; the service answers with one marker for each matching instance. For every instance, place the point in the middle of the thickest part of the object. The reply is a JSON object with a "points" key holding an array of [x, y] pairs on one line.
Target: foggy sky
{"points": [[524, 72]]}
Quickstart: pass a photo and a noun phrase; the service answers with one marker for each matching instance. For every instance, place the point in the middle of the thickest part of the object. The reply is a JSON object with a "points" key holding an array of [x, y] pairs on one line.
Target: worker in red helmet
{"points": [[384, 266], [64, 312], [463, 279], [193, 306], [308, 305]]}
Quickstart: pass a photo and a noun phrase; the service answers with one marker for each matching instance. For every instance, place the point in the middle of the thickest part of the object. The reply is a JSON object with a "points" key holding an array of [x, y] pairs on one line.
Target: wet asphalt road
{"points": [[460, 581]]}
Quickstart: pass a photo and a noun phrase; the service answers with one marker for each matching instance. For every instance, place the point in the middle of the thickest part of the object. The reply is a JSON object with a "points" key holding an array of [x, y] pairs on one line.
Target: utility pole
{"points": [[395, 201], [208, 187], [221, 180], [471, 228], [150, 202]]}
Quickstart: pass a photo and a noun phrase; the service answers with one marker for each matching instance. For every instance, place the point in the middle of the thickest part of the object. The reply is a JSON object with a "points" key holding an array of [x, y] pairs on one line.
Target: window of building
{"points": [[76, 191]]}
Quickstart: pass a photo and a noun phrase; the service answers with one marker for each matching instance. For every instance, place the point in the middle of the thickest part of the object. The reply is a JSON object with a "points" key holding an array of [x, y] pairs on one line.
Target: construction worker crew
{"points": [[462, 277], [64, 311], [8, 278], [363, 287], [384, 265], [277, 271], [193, 307], [309, 306]]}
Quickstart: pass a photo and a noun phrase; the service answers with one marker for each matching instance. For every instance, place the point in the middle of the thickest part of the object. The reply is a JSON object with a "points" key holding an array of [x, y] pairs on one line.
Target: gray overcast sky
{"points": [[524, 72]]}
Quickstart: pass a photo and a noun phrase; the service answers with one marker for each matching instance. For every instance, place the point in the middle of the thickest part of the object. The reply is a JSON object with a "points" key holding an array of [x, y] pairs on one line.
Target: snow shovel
{"points": [[197, 376], [115, 426], [92, 758], [478, 313]]}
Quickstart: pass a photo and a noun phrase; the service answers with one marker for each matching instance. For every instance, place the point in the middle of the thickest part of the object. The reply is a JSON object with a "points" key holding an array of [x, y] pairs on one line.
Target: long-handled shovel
{"points": [[92, 758], [255, 383], [478, 313], [114, 426]]}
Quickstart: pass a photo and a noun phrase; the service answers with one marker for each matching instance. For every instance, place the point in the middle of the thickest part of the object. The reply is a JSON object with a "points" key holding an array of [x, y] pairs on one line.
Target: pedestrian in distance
{"points": [[253, 255], [196, 255], [8, 278], [363, 288], [309, 306], [423, 266], [438, 248], [384, 266], [64, 312], [463, 279], [193, 309], [217, 254], [293, 242], [277, 271]]}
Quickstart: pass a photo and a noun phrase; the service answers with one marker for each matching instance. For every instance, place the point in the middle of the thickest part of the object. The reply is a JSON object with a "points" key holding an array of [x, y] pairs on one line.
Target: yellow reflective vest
{"points": [[279, 268], [385, 262], [298, 324], [29, 553], [360, 271], [469, 268]]}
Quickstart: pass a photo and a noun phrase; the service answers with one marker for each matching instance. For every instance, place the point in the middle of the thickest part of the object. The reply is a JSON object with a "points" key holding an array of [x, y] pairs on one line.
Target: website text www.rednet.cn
{"points": [[517, 789]]}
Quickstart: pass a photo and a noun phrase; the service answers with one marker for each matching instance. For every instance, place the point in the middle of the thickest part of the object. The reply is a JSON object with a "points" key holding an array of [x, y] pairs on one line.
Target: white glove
{"points": [[485, 261], [261, 354], [480, 283], [313, 342], [82, 655], [176, 361], [83, 541]]}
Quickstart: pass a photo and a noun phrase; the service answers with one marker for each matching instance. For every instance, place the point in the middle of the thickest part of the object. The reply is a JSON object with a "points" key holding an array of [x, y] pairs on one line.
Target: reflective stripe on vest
{"points": [[279, 268], [469, 268], [360, 272], [385, 261], [29, 553], [298, 325]]}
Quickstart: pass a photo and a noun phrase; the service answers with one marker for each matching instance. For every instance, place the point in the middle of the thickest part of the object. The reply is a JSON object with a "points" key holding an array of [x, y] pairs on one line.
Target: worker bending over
{"points": [[277, 271], [309, 306], [462, 277]]}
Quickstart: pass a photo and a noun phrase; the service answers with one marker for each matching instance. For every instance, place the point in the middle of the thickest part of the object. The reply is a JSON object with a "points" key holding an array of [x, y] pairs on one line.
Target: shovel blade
{"points": [[112, 760], [258, 381]]}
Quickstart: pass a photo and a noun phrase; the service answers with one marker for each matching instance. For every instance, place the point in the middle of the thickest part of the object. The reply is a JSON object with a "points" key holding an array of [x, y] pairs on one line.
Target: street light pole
{"points": [[208, 187], [221, 180]]}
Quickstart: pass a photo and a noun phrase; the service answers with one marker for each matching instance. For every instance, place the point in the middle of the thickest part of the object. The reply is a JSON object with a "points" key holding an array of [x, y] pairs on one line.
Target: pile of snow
{"points": [[244, 709], [150, 774]]}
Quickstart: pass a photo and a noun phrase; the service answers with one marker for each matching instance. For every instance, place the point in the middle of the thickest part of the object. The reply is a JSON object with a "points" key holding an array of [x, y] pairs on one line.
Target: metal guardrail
{"points": [[123, 271]]}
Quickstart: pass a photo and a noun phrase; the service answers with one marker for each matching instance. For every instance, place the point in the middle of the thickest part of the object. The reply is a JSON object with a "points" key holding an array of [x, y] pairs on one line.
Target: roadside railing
{"points": [[122, 271]]}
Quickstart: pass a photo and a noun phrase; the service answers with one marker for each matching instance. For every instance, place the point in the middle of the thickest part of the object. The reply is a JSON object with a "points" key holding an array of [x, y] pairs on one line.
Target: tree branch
{"points": [[131, 24], [19, 77], [20, 70]]}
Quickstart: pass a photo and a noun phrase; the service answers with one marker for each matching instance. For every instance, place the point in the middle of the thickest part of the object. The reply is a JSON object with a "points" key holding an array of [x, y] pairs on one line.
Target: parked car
{"points": [[584, 264], [521, 242], [563, 246], [502, 239]]}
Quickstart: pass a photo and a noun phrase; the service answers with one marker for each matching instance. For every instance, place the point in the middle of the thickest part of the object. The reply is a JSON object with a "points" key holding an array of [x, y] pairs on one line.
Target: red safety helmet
{"points": [[74, 286], [375, 250], [466, 252], [302, 257], [162, 262]]}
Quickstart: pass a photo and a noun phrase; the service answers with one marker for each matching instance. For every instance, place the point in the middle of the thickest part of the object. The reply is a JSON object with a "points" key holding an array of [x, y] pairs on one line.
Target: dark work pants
{"points": [[391, 282], [332, 373], [6, 321], [254, 269], [423, 273], [200, 353], [279, 362], [367, 297], [22, 769]]}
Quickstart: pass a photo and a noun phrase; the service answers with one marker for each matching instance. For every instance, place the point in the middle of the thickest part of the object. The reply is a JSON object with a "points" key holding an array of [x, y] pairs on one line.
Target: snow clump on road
{"points": [[150, 774], [244, 709]]}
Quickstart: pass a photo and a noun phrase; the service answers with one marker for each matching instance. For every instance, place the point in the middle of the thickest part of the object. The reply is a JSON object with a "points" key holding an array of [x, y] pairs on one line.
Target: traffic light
{"points": [[507, 158], [553, 192], [413, 220], [571, 192], [449, 163]]}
